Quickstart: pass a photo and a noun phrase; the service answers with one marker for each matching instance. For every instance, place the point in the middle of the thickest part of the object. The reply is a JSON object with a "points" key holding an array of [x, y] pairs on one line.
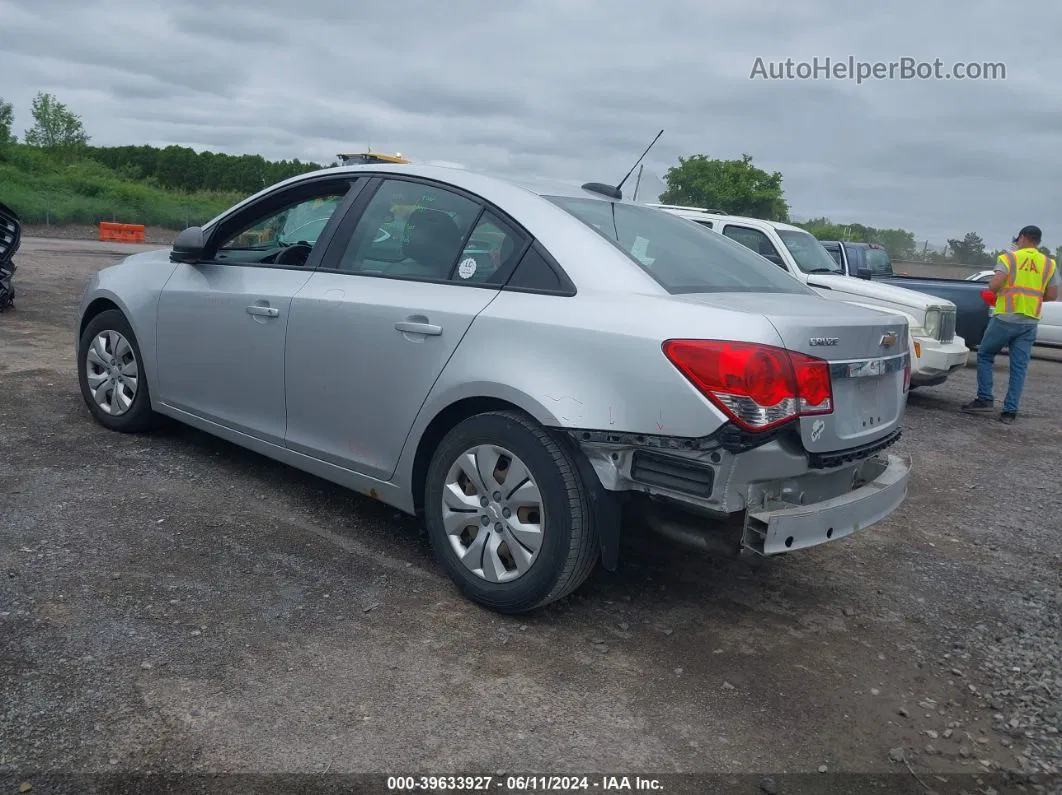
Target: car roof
{"points": [[716, 215], [472, 180]]}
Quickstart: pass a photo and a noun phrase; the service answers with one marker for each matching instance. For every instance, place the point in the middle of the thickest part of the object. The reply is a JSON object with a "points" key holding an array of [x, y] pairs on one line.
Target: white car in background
{"points": [[1049, 332], [936, 351]]}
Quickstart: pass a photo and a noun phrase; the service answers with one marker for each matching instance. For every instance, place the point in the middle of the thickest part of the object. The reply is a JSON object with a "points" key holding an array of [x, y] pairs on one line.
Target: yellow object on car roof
{"points": [[370, 157]]}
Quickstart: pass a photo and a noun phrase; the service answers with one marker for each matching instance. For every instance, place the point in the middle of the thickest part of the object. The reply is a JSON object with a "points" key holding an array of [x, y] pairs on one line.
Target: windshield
{"points": [[810, 255], [878, 262], [680, 255]]}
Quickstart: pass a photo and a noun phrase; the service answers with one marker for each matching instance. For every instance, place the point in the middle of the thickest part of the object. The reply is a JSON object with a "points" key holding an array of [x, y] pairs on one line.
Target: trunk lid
{"points": [[865, 348]]}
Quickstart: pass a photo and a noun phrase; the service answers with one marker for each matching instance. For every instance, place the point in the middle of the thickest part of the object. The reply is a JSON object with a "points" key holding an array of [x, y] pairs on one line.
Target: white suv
{"points": [[935, 349]]}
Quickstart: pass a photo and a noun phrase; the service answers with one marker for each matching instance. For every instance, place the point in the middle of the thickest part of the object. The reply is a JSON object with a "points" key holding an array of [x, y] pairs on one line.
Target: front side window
{"points": [[410, 230], [680, 256], [808, 253], [300, 222]]}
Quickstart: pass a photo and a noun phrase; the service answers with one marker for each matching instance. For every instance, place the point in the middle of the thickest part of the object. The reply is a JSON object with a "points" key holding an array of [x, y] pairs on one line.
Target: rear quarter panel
{"points": [[593, 361]]}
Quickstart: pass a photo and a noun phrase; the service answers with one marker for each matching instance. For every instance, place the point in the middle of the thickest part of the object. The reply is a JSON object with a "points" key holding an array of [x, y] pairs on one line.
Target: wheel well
{"points": [[439, 427], [97, 307]]}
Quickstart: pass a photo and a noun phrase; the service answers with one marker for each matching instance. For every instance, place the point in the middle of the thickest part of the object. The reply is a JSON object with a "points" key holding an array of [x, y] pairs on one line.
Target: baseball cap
{"points": [[1031, 232]]}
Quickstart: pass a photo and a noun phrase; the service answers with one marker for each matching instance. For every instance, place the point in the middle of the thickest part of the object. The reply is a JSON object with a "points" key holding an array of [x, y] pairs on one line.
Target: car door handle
{"points": [[409, 327], [264, 311]]}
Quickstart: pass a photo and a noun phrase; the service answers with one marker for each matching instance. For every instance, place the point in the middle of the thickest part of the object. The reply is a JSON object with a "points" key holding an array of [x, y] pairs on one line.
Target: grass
{"points": [[46, 188]]}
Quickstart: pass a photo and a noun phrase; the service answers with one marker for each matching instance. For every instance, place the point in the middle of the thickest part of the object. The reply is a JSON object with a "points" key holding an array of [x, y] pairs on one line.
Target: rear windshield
{"points": [[878, 262], [680, 255]]}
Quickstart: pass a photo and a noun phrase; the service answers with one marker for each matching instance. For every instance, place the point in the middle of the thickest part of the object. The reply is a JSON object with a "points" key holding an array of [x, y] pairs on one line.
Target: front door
{"points": [[221, 344], [222, 322], [373, 328]]}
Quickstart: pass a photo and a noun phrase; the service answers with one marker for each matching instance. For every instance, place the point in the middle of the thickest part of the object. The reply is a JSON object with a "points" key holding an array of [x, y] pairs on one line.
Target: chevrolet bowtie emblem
{"points": [[888, 339]]}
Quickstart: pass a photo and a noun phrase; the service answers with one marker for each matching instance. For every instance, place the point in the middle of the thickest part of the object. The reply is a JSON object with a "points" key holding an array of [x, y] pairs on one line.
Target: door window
{"points": [[751, 238], [410, 230], [490, 254], [298, 224]]}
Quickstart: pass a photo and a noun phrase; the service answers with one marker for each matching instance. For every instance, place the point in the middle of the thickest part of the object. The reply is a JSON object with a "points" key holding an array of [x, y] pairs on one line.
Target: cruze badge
{"points": [[888, 339], [824, 340]]}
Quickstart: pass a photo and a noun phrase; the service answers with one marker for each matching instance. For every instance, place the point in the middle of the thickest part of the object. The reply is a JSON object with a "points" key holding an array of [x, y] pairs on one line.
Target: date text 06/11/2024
{"points": [[397, 784]]}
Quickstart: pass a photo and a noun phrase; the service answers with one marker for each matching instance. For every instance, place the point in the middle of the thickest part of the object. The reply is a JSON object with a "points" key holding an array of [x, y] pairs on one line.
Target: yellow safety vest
{"points": [[1028, 273]]}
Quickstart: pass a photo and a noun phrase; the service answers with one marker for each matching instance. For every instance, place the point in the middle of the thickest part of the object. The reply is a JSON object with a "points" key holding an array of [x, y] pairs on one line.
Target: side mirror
{"points": [[863, 273], [189, 245]]}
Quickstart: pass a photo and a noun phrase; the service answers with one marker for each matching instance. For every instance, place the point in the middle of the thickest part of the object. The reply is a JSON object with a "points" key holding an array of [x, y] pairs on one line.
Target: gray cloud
{"points": [[574, 90]]}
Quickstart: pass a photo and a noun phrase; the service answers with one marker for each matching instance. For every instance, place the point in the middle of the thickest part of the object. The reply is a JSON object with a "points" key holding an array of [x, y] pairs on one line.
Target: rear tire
{"points": [[111, 375], [534, 541]]}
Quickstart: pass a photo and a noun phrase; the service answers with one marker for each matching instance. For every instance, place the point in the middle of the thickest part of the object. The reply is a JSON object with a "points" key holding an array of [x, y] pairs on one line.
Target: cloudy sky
{"points": [[577, 88]]}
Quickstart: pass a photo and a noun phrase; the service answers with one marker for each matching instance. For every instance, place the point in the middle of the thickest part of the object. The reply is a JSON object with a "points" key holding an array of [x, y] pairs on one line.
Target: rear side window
{"points": [[878, 262], [751, 238], [680, 255], [410, 231], [536, 274], [487, 257]]}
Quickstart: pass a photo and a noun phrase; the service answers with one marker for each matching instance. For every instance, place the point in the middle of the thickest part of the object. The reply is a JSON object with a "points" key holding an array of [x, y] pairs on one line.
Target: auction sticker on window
{"points": [[467, 268]]}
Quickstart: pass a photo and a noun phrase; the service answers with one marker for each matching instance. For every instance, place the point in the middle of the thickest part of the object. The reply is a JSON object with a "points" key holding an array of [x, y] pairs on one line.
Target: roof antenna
{"points": [[617, 192]]}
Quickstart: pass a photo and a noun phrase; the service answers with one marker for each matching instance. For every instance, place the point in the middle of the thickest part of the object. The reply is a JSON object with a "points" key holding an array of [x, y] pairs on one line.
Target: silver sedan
{"points": [[518, 365]]}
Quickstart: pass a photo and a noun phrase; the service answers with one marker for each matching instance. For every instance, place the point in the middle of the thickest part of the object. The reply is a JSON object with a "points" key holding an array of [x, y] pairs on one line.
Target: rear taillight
{"points": [[757, 386], [907, 376]]}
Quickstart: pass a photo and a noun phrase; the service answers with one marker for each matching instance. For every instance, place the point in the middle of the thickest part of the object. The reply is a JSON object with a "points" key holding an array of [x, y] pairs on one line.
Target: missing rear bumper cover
{"points": [[841, 457], [778, 526], [673, 473]]}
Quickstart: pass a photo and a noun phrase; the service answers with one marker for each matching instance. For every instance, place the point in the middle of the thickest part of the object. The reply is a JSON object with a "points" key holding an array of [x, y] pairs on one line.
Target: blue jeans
{"points": [[1019, 338]]}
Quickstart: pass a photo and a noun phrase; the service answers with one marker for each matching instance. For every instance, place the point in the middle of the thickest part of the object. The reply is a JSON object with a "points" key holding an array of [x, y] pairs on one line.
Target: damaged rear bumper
{"points": [[768, 498], [773, 526]]}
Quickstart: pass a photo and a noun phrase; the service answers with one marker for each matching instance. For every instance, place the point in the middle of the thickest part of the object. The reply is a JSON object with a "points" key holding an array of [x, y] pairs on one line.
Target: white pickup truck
{"points": [[936, 351]]}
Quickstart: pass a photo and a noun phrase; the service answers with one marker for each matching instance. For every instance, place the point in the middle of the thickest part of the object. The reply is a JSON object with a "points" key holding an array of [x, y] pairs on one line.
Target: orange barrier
{"points": [[121, 233]]}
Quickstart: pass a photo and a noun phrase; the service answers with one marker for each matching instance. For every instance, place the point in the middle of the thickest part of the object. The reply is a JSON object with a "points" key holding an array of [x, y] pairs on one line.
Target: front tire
{"points": [[111, 375], [507, 513]]}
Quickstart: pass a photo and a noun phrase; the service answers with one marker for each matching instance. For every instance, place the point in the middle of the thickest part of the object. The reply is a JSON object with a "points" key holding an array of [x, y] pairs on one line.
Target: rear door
{"points": [[373, 328], [221, 322]]}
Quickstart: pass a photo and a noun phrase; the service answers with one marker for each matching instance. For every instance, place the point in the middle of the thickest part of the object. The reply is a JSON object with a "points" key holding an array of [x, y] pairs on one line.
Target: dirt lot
{"points": [[171, 602]]}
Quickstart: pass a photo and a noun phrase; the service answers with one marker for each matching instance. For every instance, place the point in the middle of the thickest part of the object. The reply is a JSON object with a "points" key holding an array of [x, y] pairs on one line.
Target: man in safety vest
{"points": [[1023, 280]]}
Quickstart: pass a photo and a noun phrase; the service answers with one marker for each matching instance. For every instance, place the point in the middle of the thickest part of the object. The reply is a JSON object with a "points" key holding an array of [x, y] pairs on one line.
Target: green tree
{"points": [[898, 242], [970, 250], [1058, 254], [7, 121], [54, 125], [736, 187]]}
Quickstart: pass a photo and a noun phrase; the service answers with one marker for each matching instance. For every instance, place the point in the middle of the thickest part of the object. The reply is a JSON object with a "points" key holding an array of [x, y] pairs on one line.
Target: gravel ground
{"points": [[173, 603]]}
